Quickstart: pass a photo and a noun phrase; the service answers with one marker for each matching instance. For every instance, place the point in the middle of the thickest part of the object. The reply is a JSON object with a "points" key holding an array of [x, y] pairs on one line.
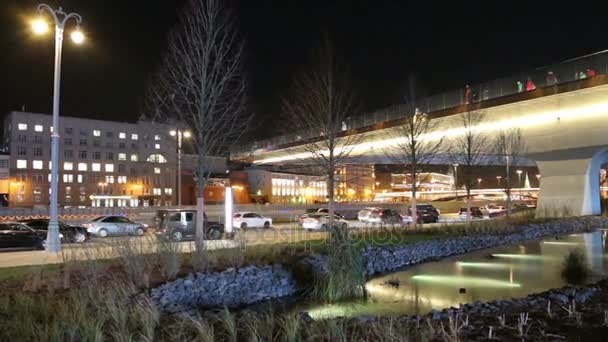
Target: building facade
{"points": [[101, 163], [284, 188]]}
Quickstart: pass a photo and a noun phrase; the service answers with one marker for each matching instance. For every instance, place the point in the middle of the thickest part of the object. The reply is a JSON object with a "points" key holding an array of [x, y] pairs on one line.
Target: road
{"points": [[112, 247]]}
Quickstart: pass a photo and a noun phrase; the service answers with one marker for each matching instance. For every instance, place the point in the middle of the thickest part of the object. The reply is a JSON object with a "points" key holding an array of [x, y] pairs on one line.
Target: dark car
{"points": [[71, 234], [424, 215], [475, 212], [18, 235], [429, 208], [385, 216], [179, 225]]}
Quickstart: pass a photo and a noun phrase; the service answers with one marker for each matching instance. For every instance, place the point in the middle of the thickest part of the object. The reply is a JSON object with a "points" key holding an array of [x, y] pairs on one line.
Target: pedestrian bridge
{"points": [[564, 126]]}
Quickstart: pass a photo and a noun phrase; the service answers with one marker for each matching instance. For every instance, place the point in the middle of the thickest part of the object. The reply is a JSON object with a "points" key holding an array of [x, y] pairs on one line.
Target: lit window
{"points": [[157, 137], [122, 135], [134, 157], [122, 156], [122, 179], [157, 146], [156, 158], [38, 128], [68, 178], [37, 164], [68, 166], [110, 179], [22, 127], [134, 137], [82, 166], [96, 133], [50, 165], [79, 178], [96, 167], [157, 170], [168, 191], [109, 167], [157, 191]]}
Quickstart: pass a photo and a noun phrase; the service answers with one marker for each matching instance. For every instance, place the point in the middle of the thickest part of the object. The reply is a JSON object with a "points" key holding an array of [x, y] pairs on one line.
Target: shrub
{"points": [[574, 269]]}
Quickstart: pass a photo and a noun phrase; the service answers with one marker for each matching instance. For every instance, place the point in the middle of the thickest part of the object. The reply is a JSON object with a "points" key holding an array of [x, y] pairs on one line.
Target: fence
{"points": [[564, 72]]}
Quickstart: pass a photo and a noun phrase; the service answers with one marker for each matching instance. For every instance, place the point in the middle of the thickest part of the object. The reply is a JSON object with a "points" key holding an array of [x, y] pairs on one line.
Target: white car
{"points": [[321, 222], [246, 220], [495, 209], [364, 214]]}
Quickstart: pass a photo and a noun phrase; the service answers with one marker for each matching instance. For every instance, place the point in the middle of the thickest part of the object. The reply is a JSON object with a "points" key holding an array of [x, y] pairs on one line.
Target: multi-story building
{"points": [[279, 187], [101, 163], [5, 182]]}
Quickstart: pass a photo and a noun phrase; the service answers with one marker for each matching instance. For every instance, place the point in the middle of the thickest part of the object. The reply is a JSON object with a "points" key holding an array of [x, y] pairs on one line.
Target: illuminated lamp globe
{"points": [[40, 26], [77, 37]]}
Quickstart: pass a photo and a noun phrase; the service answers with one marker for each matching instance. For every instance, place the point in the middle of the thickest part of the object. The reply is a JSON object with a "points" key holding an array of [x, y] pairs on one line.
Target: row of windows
{"points": [[37, 192], [38, 178], [69, 166], [96, 132]]}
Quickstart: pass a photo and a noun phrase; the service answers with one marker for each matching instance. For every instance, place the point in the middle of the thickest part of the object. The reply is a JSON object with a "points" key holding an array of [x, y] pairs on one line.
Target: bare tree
{"points": [[201, 84], [317, 110], [414, 148], [510, 147], [469, 150], [320, 103]]}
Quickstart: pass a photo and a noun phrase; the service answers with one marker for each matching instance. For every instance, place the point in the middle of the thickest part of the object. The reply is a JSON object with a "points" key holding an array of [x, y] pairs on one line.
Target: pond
{"points": [[498, 273]]}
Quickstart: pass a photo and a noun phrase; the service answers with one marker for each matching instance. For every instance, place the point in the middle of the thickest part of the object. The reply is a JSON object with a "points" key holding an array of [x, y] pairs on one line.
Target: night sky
{"points": [[445, 45]]}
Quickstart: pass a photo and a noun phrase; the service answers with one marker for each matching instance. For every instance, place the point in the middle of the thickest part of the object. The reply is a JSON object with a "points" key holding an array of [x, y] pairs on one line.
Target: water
{"points": [[498, 273]]}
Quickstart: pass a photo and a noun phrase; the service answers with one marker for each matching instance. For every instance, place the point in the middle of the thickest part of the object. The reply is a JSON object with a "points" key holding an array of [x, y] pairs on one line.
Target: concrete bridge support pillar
{"points": [[570, 187]]}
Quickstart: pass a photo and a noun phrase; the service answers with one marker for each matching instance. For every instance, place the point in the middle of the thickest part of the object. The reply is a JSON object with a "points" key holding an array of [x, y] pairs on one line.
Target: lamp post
{"points": [[180, 134], [479, 183], [40, 26], [456, 179], [498, 178], [519, 181]]}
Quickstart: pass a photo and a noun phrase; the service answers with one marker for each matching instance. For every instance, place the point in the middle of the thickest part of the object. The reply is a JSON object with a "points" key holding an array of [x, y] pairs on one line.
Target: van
{"points": [[179, 225]]}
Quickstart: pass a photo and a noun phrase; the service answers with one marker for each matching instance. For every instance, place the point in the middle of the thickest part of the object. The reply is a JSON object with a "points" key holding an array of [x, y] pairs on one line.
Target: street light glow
{"points": [[77, 36], [187, 134], [40, 26], [173, 133]]}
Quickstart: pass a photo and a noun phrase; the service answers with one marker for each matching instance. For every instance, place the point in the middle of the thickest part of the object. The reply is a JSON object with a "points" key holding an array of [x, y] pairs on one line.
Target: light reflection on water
{"points": [[497, 273]]}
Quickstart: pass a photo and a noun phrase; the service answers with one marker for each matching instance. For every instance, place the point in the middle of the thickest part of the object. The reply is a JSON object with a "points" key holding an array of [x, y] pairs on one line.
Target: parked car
{"points": [[104, 226], [312, 211], [18, 235], [429, 208], [476, 212], [71, 234], [246, 220], [385, 216], [495, 209], [364, 214], [423, 216], [179, 225], [321, 222]]}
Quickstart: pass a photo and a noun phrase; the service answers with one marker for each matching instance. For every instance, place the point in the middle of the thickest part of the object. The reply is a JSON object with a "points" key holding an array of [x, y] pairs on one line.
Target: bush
{"points": [[575, 270]]}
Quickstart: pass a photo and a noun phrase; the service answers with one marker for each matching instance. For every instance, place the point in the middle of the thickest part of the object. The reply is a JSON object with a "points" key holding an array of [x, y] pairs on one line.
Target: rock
{"points": [[559, 298]]}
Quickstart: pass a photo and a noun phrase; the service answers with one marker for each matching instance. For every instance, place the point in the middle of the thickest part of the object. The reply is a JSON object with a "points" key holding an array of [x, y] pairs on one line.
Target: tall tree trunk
{"points": [[414, 205], [469, 213], [200, 206]]}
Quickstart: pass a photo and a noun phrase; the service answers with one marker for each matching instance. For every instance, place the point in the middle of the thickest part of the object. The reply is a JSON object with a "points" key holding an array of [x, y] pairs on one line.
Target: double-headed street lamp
{"points": [[40, 26], [180, 134]]}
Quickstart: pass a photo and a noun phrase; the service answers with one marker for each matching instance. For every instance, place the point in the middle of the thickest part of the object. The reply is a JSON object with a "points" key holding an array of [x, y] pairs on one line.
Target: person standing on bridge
{"points": [[520, 86], [591, 72], [551, 78], [530, 85], [468, 95]]}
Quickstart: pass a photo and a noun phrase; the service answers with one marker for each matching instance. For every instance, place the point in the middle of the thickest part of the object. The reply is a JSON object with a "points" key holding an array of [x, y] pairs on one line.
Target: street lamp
{"points": [[40, 26], [455, 179], [498, 178], [519, 181], [180, 135], [479, 183]]}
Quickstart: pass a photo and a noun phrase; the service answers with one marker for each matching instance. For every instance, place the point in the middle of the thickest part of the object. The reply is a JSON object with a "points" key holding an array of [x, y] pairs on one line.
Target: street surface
{"points": [[111, 247]]}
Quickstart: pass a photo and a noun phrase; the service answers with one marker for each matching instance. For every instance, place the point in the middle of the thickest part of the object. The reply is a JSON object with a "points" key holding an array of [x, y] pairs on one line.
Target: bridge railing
{"points": [[567, 71]]}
